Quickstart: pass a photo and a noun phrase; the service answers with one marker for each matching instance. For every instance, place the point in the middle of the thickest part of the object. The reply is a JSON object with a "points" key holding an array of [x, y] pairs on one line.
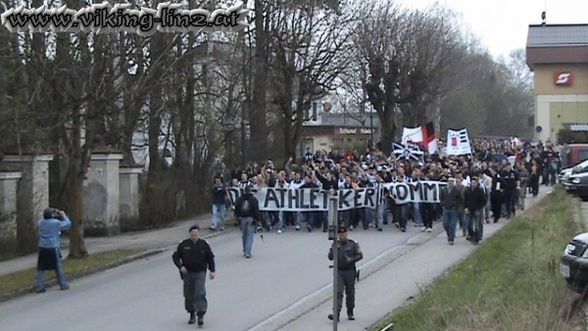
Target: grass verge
{"points": [[21, 282], [512, 282]]}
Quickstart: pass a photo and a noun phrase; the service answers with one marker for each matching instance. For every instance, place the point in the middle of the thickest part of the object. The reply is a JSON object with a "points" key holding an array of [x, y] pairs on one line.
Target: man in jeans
{"points": [[474, 201], [451, 200], [54, 221], [219, 207], [247, 210]]}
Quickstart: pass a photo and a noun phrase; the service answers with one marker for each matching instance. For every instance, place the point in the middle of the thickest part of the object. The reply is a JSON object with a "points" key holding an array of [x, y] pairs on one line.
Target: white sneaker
{"points": [[424, 229], [279, 231], [429, 230], [297, 227]]}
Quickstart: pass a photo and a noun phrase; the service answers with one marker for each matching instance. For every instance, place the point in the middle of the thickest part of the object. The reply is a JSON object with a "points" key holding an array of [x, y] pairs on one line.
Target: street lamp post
{"points": [[371, 130], [243, 142], [333, 233]]}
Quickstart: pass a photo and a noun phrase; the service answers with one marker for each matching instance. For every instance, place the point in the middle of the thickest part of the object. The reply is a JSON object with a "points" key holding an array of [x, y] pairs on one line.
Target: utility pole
{"points": [[333, 235]]}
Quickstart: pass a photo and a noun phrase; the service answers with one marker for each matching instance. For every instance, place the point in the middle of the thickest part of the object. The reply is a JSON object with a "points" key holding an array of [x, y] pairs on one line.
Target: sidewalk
{"points": [[149, 239], [402, 274]]}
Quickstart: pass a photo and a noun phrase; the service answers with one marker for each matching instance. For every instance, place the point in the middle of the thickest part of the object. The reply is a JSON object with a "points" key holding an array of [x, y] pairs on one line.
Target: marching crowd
{"points": [[484, 186], [490, 183]]}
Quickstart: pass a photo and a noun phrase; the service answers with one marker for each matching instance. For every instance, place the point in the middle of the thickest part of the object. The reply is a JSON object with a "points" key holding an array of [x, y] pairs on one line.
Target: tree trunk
{"points": [[74, 190], [75, 206], [257, 119], [388, 131]]}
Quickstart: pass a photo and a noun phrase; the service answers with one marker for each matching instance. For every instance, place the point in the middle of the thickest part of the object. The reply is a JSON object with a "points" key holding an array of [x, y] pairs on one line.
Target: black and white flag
{"points": [[458, 142], [408, 152]]}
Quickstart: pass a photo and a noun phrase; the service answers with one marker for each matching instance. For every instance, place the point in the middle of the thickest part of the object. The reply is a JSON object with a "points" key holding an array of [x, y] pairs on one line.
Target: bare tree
{"points": [[309, 44], [408, 55]]}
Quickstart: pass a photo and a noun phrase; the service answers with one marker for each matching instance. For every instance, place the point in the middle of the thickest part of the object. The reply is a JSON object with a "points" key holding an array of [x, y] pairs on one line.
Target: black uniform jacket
{"points": [[195, 256], [348, 252]]}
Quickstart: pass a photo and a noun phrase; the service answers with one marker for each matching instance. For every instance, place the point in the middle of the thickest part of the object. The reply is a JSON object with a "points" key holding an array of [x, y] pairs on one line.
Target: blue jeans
{"points": [[382, 214], [509, 202], [311, 217], [404, 210], [280, 220], [61, 280], [449, 222], [463, 222], [219, 212], [476, 225], [248, 233], [487, 207], [416, 214], [366, 215]]}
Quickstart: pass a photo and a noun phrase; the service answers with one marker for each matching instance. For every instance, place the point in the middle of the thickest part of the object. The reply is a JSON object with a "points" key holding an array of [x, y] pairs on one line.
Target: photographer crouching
{"points": [[54, 221]]}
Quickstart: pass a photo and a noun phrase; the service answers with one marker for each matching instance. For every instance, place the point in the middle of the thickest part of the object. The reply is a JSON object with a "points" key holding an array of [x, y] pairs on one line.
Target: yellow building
{"points": [[558, 56]]}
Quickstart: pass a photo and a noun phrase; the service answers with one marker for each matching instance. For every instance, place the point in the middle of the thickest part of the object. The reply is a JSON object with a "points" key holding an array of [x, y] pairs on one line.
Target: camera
{"points": [[57, 214]]}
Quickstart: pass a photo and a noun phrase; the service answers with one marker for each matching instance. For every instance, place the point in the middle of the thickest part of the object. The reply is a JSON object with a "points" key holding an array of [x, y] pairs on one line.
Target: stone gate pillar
{"points": [[129, 197], [32, 196], [101, 195], [8, 192]]}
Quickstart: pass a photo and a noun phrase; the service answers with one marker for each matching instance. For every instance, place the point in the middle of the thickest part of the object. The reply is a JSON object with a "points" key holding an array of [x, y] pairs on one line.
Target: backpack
{"points": [[245, 207]]}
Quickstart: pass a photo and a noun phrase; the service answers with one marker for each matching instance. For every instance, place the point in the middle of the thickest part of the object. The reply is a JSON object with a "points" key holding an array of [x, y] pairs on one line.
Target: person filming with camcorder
{"points": [[50, 226]]}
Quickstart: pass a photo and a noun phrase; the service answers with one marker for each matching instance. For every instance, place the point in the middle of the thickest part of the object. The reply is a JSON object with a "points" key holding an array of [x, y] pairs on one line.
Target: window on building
{"points": [[314, 110]]}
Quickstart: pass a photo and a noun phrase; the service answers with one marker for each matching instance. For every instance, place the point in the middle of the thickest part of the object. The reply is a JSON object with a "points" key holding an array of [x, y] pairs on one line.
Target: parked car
{"points": [[577, 184], [573, 154], [577, 169], [574, 263]]}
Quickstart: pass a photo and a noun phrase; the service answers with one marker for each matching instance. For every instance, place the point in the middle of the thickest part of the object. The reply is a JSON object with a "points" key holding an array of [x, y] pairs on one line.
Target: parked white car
{"points": [[565, 173]]}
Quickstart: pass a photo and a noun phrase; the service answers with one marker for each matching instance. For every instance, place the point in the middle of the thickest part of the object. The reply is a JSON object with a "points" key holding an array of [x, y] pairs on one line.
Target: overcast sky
{"points": [[502, 25]]}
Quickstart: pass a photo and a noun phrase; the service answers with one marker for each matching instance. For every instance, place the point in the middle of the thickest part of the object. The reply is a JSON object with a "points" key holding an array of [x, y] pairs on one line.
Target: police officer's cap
{"points": [[342, 229]]}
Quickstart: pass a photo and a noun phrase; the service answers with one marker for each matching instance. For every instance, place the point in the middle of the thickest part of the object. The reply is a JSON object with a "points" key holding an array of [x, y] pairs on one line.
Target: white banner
{"points": [[275, 199], [412, 134], [422, 191], [458, 142]]}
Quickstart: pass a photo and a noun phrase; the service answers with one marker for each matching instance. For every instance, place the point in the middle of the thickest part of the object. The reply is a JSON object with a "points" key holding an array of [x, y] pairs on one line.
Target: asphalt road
{"points": [[147, 294]]}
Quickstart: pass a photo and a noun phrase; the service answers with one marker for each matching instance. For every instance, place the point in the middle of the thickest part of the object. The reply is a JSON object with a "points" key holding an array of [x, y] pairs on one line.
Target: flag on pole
{"points": [[414, 135], [407, 152], [422, 135], [430, 138], [458, 142]]}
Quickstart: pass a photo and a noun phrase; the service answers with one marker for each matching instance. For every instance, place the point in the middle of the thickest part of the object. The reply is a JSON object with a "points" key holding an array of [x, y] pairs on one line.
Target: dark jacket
{"points": [[247, 206], [348, 252], [195, 256], [474, 199], [219, 194], [451, 198], [328, 184], [510, 180]]}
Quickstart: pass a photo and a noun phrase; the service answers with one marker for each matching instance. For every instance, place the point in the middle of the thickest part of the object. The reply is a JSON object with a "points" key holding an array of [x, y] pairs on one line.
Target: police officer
{"points": [[349, 253], [193, 257]]}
